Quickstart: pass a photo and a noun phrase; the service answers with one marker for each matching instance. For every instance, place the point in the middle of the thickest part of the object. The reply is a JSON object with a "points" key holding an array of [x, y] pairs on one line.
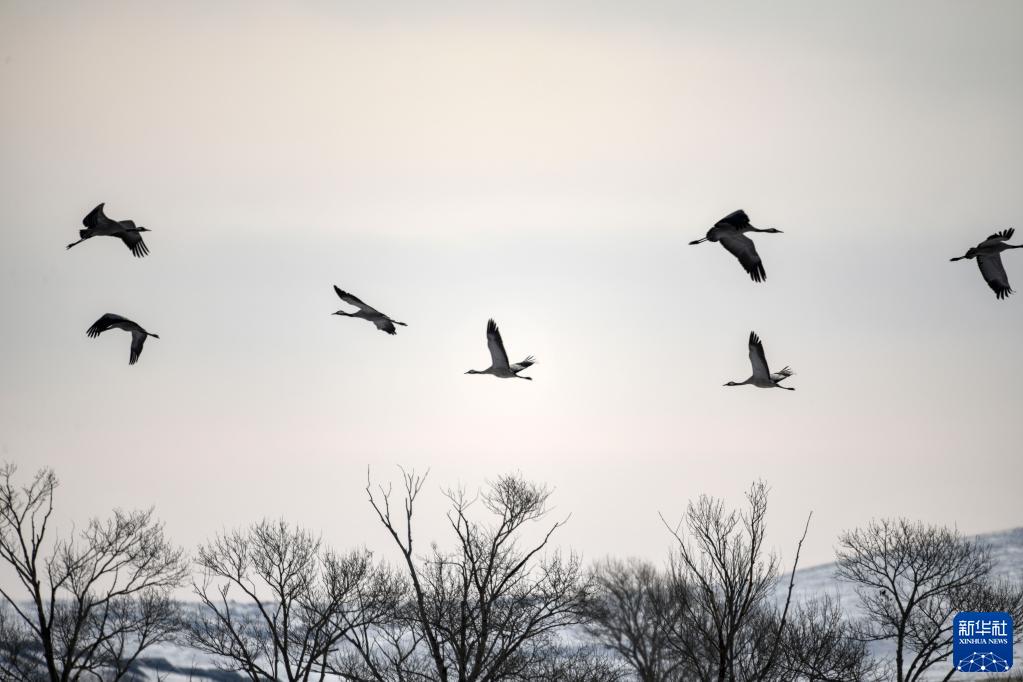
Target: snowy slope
{"points": [[1006, 551]]}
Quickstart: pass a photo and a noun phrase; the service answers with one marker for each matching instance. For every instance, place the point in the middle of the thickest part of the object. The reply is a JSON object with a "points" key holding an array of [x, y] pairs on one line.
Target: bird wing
{"points": [[735, 219], [1002, 236], [757, 357], [95, 217], [384, 324], [138, 338], [355, 301], [104, 323], [133, 240], [743, 248], [782, 374], [994, 274], [498, 358], [519, 366]]}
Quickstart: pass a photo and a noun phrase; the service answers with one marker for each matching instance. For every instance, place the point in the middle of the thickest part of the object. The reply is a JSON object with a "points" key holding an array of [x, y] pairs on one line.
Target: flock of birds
{"points": [[731, 232]]}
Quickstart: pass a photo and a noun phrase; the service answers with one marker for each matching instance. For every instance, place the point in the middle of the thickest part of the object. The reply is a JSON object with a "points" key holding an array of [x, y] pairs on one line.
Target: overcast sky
{"points": [[546, 167]]}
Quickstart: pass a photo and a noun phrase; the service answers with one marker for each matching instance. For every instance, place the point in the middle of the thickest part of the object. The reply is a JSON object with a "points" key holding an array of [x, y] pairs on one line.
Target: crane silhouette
{"points": [[112, 321], [366, 312], [97, 224], [499, 366], [730, 232], [762, 376], [989, 258]]}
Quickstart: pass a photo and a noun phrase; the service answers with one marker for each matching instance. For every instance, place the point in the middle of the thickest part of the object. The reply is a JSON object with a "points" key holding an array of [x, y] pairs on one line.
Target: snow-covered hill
{"points": [[1006, 551]]}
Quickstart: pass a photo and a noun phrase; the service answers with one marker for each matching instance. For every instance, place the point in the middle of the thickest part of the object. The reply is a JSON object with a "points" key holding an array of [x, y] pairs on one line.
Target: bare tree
{"points": [[574, 664], [911, 579], [488, 609], [995, 594], [930, 629], [299, 601], [19, 655], [820, 646], [634, 610], [727, 632], [95, 601], [389, 650]]}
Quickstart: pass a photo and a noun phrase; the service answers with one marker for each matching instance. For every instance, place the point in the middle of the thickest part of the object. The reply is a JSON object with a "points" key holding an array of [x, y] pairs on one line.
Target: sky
{"points": [[544, 164]]}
